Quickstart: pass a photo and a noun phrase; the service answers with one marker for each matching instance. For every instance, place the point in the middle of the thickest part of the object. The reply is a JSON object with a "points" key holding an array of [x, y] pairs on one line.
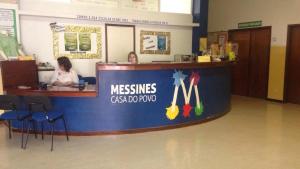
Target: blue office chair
{"points": [[11, 105], [90, 80], [40, 107]]}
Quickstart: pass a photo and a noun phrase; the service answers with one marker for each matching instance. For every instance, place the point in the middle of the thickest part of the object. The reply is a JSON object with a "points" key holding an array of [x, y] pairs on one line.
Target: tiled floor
{"points": [[256, 134]]}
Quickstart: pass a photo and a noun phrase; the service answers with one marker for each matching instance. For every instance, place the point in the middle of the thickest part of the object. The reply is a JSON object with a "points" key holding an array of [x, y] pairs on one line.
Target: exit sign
{"points": [[253, 24]]}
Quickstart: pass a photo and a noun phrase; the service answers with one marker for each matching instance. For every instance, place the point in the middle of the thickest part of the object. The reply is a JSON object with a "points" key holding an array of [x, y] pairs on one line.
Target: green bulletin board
{"points": [[8, 24]]}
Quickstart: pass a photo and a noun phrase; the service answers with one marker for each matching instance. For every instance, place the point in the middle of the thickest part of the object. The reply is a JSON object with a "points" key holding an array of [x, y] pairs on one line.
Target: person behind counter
{"points": [[132, 57], [64, 75]]}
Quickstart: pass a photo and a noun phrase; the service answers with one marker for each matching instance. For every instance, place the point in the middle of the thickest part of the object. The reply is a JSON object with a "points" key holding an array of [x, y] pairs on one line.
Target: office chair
{"points": [[90, 79], [40, 108], [11, 105]]}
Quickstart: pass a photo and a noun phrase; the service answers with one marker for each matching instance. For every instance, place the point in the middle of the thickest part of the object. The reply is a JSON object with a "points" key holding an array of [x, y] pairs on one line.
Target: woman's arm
{"points": [[58, 83]]}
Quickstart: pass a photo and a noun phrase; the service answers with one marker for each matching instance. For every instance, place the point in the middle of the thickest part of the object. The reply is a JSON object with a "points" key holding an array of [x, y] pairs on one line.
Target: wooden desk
{"points": [[56, 91]]}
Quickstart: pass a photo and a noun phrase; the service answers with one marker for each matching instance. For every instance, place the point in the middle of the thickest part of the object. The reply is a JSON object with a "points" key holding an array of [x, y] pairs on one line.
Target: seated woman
{"points": [[64, 75], [132, 57]]}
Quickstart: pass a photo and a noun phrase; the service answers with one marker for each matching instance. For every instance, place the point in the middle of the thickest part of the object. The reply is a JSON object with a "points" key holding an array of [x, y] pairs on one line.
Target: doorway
{"points": [[120, 40], [250, 73], [1, 92], [292, 75]]}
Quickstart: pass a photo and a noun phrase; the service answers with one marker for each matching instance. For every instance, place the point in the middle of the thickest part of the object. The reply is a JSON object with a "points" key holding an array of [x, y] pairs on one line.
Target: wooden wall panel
{"points": [[16, 73]]}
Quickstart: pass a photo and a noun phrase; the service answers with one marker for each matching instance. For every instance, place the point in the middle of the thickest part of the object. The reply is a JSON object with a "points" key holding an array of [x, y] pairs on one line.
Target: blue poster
{"points": [[161, 42]]}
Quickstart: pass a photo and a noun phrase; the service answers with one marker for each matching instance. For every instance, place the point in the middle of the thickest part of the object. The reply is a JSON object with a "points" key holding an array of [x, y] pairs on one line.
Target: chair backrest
{"points": [[80, 77], [38, 103], [9, 102], [90, 80]]}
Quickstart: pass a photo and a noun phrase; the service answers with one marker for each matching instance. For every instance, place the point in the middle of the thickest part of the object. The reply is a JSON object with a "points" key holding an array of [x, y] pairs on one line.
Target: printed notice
{"points": [[104, 3], [7, 21], [148, 5]]}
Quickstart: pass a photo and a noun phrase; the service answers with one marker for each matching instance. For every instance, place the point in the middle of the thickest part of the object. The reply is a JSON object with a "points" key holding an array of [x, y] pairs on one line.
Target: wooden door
{"points": [[250, 73], [259, 62], [240, 70], [292, 81]]}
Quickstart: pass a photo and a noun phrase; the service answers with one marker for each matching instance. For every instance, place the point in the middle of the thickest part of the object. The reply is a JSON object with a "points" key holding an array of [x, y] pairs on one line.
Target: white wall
{"points": [[72, 10], [8, 1], [224, 15], [36, 35]]}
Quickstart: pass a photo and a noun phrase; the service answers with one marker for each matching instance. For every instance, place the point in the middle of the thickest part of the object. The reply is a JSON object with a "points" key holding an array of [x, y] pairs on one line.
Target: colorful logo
{"points": [[173, 111]]}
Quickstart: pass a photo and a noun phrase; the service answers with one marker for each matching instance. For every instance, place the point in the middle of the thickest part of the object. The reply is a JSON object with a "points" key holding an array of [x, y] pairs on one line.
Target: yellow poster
{"points": [[203, 44]]}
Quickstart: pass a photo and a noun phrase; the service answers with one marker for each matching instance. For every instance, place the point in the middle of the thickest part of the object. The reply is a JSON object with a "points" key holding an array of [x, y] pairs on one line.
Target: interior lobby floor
{"points": [[256, 134]]}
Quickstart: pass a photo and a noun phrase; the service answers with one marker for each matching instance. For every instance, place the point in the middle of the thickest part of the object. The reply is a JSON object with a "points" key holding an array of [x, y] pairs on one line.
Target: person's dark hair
{"points": [[133, 53], [65, 62]]}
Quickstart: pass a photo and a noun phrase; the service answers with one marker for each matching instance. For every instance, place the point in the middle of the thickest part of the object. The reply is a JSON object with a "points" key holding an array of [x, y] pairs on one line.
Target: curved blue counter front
{"points": [[143, 97]]}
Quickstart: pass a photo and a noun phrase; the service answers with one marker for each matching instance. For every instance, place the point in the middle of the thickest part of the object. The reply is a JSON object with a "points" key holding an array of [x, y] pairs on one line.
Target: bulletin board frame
{"points": [[79, 53], [162, 45]]}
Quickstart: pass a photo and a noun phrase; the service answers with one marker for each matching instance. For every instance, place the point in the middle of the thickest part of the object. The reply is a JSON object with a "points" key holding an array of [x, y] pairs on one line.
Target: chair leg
{"points": [[9, 129], [52, 132], [34, 127], [66, 130], [42, 125], [26, 141], [22, 140]]}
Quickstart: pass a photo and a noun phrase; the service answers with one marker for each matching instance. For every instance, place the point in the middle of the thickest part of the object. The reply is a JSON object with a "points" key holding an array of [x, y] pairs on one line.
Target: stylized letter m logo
{"points": [[173, 110]]}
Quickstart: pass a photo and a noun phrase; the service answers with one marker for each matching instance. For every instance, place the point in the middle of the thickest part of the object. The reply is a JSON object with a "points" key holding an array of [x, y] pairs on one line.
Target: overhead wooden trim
{"points": [[159, 66]]}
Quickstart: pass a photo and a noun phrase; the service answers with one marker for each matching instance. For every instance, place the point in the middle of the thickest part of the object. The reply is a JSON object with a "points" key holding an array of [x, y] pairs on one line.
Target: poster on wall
{"points": [[148, 5], [222, 39], [155, 42], [202, 44], [78, 42], [8, 22], [104, 3]]}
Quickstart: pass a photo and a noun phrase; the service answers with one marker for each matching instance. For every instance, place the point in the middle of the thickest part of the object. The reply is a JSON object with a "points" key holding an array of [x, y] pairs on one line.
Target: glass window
{"points": [[176, 6]]}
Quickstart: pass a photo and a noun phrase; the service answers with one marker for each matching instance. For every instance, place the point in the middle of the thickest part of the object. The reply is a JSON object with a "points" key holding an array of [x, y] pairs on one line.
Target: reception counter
{"points": [[131, 98]]}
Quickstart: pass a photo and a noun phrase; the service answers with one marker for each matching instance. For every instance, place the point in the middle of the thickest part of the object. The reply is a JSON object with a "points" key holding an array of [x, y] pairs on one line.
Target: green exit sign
{"points": [[253, 24]]}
